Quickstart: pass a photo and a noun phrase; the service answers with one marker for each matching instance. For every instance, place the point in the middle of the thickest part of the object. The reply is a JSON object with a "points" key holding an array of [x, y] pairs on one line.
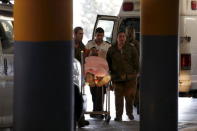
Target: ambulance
{"points": [[188, 47], [6, 66], [129, 15]]}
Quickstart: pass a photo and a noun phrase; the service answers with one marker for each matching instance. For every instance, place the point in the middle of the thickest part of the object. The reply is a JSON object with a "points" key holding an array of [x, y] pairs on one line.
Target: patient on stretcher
{"points": [[96, 69]]}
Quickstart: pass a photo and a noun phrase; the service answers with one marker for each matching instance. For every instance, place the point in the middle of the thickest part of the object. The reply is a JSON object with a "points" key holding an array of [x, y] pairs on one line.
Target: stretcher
{"points": [[96, 74], [106, 110]]}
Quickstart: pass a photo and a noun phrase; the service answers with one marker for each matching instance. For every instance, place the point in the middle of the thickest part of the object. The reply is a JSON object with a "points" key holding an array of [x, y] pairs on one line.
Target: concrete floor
{"points": [[187, 117], [187, 114]]}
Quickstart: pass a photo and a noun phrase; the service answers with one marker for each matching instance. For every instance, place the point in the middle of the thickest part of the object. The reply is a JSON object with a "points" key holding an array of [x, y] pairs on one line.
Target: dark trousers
{"points": [[125, 90], [137, 95], [97, 97]]}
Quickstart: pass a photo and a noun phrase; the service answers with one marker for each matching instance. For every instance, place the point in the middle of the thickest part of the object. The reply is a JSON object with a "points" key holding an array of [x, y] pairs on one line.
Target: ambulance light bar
{"points": [[194, 5], [185, 61], [128, 6]]}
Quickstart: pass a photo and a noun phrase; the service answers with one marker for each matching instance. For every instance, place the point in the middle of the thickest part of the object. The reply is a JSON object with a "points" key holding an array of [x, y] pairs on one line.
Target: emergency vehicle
{"points": [[129, 15], [6, 65], [188, 47]]}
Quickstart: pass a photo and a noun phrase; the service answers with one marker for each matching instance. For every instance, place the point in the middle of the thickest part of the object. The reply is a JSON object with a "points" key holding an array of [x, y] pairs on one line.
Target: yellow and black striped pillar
{"points": [[43, 65], [159, 69]]}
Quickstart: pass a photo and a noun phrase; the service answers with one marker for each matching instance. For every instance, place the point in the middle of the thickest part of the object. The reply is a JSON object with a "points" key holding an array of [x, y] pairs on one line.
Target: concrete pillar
{"points": [[159, 69], [43, 98]]}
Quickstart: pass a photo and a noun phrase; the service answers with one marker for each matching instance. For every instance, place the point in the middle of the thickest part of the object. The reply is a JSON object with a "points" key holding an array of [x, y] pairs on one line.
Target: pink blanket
{"points": [[96, 65]]}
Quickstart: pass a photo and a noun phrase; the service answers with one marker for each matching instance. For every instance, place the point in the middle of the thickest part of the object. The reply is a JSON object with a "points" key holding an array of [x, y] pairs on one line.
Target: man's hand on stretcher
{"points": [[97, 81]]}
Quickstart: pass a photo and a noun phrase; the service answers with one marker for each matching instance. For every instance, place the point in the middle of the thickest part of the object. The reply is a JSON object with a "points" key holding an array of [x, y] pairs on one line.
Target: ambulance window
{"points": [[134, 22], [108, 28], [6, 36]]}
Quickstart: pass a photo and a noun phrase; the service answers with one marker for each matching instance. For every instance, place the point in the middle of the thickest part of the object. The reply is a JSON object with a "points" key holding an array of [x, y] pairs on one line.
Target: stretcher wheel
{"points": [[107, 119]]}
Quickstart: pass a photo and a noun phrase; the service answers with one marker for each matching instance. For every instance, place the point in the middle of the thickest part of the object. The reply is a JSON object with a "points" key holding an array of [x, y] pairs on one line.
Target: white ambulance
{"points": [[129, 15], [6, 66], [188, 47]]}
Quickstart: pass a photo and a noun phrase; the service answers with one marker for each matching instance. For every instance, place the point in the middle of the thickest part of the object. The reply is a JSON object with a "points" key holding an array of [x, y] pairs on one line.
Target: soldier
{"points": [[130, 33], [79, 46], [99, 47], [130, 37], [123, 64]]}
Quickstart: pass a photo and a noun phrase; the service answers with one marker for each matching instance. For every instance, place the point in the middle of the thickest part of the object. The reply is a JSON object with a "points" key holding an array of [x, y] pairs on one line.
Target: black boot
{"points": [[82, 122]]}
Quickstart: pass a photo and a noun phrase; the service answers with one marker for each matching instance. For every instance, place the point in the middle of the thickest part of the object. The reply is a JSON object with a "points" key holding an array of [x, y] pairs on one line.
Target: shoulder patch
{"points": [[90, 40], [107, 42], [131, 44]]}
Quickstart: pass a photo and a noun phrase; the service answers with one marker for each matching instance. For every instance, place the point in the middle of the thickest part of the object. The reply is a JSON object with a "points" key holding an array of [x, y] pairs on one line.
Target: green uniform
{"points": [[78, 50], [123, 63], [136, 101], [123, 66], [136, 44]]}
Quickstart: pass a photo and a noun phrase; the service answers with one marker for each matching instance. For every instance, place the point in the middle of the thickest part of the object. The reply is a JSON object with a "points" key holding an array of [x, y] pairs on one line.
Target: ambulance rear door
{"points": [[110, 26]]}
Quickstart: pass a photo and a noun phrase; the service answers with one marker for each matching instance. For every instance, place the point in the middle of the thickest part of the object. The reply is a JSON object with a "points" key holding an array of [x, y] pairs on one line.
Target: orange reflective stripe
{"points": [[43, 20], [159, 17]]}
